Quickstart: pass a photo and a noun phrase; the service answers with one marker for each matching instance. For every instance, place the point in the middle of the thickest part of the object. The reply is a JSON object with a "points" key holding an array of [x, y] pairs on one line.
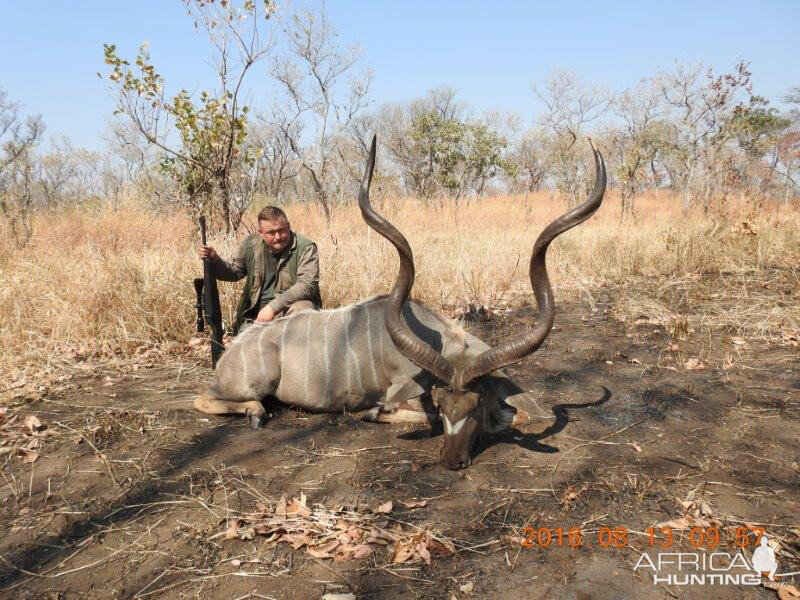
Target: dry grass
{"points": [[117, 281]]}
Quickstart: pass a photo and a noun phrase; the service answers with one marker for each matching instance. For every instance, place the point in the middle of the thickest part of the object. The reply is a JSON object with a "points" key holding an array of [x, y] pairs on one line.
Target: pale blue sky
{"points": [[490, 51]]}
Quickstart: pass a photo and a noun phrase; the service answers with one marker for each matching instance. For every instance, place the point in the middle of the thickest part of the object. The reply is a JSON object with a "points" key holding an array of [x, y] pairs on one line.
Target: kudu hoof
{"points": [[256, 421]]}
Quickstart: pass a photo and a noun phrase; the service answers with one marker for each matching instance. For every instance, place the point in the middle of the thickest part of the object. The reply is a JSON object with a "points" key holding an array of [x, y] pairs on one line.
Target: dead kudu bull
{"points": [[384, 355]]}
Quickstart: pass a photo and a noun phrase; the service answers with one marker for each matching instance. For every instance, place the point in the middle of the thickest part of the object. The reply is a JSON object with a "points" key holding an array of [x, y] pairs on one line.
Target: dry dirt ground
{"points": [[131, 491]]}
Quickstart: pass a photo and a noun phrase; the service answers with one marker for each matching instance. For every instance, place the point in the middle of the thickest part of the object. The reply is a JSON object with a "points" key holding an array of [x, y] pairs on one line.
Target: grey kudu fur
{"points": [[383, 354]]}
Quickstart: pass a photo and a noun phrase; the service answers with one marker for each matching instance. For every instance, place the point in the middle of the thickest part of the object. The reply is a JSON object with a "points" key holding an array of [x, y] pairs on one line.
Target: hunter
{"points": [[281, 266]]}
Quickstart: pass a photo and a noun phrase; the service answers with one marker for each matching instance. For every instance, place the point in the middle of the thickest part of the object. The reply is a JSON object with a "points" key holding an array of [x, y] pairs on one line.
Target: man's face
{"points": [[276, 234]]}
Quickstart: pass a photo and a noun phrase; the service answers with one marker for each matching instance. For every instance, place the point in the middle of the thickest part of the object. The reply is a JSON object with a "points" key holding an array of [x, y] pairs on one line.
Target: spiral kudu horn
{"points": [[510, 352], [417, 351], [516, 349]]}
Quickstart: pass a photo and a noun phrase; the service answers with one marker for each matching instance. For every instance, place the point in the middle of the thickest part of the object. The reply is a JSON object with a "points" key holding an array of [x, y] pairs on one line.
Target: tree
{"points": [[323, 94], [276, 163], [635, 143], [787, 149], [410, 148], [570, 107], [438, 148], [758, 129], [527, 156], [18, 139], [438, 145], [700, 104], [130, 165], [213, 130]]}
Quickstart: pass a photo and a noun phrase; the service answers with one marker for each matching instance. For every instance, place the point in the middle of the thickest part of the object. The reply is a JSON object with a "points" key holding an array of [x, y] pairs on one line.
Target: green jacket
{"points": [[297, 276]]}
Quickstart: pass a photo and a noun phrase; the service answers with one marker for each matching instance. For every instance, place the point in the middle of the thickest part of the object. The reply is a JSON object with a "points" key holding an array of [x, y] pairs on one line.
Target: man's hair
{"points": [[272, 213]]}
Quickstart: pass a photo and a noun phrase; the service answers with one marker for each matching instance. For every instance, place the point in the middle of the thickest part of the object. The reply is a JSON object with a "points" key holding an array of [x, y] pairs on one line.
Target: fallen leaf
{"points": [[362, 551], [788, 592], [297, 539], [236, 562], [343, 537], [232, 532], [440, 548], [297, 507], [375, 536], [414, 503], [280, 507], [323, 550], [636, 446], [33, 424], [694, 364], [30, 456], [467, 587], [347, 596], [402, 552], [682, 523], [354, 533], [386, 507], [423, 552]]}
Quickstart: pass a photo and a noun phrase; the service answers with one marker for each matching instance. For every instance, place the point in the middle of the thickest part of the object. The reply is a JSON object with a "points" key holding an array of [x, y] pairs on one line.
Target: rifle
{"points": [[208, 301]]}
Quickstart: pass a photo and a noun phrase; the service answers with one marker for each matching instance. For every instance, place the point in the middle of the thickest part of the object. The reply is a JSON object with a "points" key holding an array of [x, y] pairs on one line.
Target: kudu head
{"points": [[461, 395]]}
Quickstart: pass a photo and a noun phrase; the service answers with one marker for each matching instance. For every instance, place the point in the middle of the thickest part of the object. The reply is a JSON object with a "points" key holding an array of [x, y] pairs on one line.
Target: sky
{"points": [[491, 52]]}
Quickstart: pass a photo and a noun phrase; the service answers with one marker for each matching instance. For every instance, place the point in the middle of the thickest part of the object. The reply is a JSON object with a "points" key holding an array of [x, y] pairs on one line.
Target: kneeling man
{"points": [[281, 266]]}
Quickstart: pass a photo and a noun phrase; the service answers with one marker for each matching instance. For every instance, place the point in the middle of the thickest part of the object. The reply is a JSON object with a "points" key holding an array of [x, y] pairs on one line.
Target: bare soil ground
{"points": [[130, 490]]}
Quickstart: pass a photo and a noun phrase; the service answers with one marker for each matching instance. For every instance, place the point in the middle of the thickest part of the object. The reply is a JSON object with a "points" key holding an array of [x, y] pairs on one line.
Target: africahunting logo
{"points": [[715, 568]]}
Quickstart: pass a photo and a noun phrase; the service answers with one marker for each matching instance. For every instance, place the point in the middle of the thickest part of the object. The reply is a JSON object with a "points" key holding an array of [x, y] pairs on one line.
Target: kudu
{"points": [[383, 354]]}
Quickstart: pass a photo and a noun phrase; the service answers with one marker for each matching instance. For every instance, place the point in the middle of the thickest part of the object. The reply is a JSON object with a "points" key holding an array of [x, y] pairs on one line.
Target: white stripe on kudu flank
{"points": [[283, 338], [350, 350], [307, 365], [382, 344], [326, 355], [346, 353], [243, 360], [453, 429], [261, 352], [370, 355]]}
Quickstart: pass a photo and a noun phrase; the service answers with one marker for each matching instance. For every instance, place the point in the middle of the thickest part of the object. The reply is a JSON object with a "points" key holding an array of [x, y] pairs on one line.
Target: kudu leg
{"points": [[401, 415], [413, 410], [211, 405]]}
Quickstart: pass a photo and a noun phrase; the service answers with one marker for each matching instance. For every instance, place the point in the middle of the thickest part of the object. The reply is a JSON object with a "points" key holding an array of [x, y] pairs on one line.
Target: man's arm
{"points": [[234, 270], [307, 285]]}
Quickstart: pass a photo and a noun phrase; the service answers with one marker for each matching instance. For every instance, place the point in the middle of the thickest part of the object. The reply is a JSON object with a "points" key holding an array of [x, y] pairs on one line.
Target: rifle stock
{"points": [[210, 304]]}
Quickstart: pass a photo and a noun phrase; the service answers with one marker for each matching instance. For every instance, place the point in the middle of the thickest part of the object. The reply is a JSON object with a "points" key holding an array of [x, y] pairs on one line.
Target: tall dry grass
{"points": [[114, 281]]}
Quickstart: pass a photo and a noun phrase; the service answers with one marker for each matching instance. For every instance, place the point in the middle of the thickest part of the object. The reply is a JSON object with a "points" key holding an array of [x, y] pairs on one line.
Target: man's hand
{"points": [[265, 315], [206, 252]]}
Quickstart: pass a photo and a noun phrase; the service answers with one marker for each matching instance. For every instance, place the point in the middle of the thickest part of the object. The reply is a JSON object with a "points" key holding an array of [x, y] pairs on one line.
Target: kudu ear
{"points": [[436, 396], [509, 392], [524, 402]]}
